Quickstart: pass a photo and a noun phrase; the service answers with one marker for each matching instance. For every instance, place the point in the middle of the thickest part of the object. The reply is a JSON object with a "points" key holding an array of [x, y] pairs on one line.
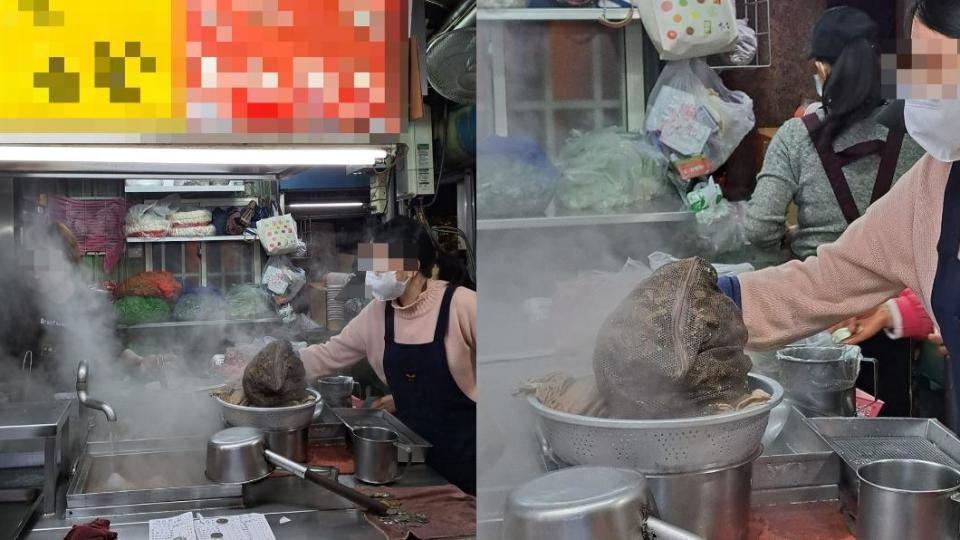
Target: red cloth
{"points": [[98, 225], [452, 513], [339, 456], [98, 529]]}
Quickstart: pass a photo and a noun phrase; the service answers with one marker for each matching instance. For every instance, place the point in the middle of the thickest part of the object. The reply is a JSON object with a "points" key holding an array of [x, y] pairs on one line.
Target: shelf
{"points": [[187, 324], [582, 221], [184, 189], [553, 14], [231, 238]]}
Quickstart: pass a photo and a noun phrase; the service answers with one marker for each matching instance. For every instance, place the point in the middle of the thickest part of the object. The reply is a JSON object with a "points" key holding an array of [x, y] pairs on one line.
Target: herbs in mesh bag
{"points": [[141, 310], [275, 377], [248, 302], [200, 306], [673, 348], [156, 284], [610, 170]]}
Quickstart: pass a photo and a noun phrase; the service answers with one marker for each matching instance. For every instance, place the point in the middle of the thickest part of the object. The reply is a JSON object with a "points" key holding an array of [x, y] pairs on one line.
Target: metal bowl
{"points": [[272, 418], [657, 446]]}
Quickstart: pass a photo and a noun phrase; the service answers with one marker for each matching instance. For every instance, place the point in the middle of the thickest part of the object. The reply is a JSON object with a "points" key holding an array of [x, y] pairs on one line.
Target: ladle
{"points": [[239, 455]]}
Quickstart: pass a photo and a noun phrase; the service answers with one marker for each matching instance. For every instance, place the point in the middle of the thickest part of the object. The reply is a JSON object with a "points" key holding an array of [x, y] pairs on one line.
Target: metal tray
{"points": [[151, 473], [327, 426], [859, 441], [355, 418], [796, 467]]}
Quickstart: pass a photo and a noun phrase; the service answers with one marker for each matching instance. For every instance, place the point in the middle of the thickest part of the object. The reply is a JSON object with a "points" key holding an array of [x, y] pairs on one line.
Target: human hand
{"points": [[386, 403], [865, 326], [937, 340]]}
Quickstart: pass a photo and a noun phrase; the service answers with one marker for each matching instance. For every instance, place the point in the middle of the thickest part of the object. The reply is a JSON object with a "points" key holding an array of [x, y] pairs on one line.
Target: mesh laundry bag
{"points": [[673, 348], [275, 377]]}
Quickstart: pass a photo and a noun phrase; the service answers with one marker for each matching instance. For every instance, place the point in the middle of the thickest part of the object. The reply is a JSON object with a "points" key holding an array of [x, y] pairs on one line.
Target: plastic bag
{"points": [[248, 302], [200, 307], [610, 170], [719, 222], [516, 179], [697, 121], [745, 49], [278, 235], [154, 284], [282, 278], [141, 310], [680, 29], [659, 259]]}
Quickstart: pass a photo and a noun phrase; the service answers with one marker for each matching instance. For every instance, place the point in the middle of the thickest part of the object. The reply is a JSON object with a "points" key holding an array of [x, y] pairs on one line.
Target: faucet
{"points": [[87, 401]]}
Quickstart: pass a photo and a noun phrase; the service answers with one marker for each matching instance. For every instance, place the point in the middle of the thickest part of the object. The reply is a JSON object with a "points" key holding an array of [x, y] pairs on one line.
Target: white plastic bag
{"points": [[745, 49], [696, 119], [282, 278], [658, 259], [719, 222], [680, 29]]}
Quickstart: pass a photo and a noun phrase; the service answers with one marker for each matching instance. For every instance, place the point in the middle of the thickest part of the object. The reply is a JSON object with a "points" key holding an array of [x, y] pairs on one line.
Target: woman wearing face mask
{"points": [[420, 337], [836, 160], [910, 238]]}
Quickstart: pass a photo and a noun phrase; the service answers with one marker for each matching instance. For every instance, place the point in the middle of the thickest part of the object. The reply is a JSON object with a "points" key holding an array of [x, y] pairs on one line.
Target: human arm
{"points": [[871, 262], [343, 350], [765, 222]]}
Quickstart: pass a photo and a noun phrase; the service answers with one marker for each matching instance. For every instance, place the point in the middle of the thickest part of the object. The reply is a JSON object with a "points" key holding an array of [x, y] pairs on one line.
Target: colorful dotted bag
{"points": [[278, 234], [682, 29]]}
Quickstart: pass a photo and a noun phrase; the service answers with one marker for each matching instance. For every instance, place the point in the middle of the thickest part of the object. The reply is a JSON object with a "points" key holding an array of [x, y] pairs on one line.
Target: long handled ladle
{"points": [[239, 455]]}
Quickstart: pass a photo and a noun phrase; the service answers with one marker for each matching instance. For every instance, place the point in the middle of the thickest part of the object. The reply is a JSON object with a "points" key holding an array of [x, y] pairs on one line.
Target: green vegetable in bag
{"points": [[141, 310], [200, 307], [248, 302]]}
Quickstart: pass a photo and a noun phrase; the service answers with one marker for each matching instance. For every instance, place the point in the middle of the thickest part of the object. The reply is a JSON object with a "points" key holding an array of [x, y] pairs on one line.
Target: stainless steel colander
{"points": [[271, 418], [657, 446]]}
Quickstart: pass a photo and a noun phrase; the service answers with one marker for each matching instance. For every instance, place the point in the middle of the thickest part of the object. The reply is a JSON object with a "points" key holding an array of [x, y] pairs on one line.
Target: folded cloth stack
{"points": [[148, 225], [98, 529], [192, 223]]}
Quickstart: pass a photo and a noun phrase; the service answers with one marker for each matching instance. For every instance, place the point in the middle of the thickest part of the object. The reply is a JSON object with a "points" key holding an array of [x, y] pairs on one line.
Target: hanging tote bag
{"points": [[682, 29], [278, 234]]}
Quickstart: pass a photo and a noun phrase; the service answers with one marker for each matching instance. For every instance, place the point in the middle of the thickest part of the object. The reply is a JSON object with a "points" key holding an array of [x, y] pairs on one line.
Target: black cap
{"points": [[837, 28]]}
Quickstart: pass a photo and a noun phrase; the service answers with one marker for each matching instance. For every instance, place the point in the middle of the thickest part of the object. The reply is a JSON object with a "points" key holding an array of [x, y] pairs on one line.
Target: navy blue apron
{"points": [[429, 401], [946, 290]]}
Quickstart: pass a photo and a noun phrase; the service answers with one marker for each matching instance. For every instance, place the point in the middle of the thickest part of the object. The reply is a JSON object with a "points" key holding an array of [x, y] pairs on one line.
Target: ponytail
{"points": [[852, 91]]}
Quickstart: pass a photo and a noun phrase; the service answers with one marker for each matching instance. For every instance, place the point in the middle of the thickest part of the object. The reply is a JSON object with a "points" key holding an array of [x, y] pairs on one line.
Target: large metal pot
{"points": [[908, 498], [585, 503], [714, 503], [822, 380]]}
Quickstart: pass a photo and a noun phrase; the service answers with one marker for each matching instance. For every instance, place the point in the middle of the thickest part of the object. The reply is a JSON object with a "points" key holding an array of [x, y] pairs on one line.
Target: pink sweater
{"points": [[414, 324], [892, 247]]}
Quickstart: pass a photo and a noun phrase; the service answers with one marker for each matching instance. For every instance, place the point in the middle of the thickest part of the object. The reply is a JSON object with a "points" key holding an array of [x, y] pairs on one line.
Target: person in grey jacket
{"points": [[835, 162]]}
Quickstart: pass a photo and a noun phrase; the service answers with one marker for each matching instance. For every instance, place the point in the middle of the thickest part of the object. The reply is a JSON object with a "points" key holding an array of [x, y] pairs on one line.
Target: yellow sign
{"points": [[89, 59]]}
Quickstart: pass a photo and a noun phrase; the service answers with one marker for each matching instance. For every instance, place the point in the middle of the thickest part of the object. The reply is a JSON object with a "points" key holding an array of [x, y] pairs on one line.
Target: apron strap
{"points": [[388, 322], [833, 163], [443, 320], [888, 164]]}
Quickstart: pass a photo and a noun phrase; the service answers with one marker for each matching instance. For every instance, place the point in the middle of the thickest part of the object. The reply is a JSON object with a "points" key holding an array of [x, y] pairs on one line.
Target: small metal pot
{"points": [[908, 498], [239, 455], [375, 455], [292, 443], [585, 503]]}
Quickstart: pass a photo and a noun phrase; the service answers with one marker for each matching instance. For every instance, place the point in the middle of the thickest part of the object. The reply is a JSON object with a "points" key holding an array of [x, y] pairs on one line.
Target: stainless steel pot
{"points": [[240, 455], [908, 498], [714, 503], [375, 455], [337, 391], [585, 503], [292, 443], [822, 380]]}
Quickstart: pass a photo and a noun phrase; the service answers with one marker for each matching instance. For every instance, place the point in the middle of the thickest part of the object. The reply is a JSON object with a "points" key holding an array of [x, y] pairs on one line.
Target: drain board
{"points": [[859, 451]]}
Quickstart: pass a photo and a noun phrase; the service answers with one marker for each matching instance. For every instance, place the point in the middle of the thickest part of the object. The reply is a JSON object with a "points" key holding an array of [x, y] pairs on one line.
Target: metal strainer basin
{"points": [[657, 446], [271, 418]]}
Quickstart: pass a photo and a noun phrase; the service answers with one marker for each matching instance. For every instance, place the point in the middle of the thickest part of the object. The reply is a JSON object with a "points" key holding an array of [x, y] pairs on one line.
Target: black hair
{"points": [[941, 16], [413, 240], [852, 91]]}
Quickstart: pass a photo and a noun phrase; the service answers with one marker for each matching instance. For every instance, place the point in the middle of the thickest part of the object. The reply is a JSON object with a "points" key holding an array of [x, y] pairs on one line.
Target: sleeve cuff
{"points": [[730, 286], [896, 329]]}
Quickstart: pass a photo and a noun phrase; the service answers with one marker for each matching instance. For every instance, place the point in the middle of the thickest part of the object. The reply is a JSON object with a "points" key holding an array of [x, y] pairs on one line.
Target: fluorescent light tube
{"points": [[307, 157], [326, 205]]}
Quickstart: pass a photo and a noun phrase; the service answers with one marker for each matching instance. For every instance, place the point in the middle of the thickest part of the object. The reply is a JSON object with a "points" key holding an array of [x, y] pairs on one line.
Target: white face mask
{"points": [[935, 125], [385, 286], [819, 83]]}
